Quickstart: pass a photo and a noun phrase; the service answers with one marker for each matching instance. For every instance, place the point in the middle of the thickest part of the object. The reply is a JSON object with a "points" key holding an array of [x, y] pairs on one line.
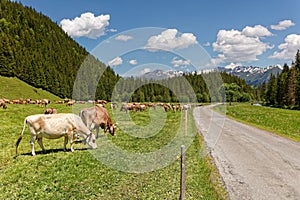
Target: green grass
{"points": [[13, 88], [65, 175], [279, 121]]}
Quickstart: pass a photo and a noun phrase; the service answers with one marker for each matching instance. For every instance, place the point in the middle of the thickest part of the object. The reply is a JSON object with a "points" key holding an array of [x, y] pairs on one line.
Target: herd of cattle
{"points": [[53, 125], [42, 102]]}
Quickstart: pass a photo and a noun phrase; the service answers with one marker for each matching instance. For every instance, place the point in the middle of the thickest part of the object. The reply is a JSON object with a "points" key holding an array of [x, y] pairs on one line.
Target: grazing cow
{"points": [[3, 104], [125, 107], [101, 102], [70, 103], [114, 105], [185, 107], [95, 117], [56, 126], [44, 102], [50, 111]]}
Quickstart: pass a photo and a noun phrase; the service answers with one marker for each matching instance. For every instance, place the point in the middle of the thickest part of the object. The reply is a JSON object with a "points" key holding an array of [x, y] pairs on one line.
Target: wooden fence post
{"points": [[182, 174]]}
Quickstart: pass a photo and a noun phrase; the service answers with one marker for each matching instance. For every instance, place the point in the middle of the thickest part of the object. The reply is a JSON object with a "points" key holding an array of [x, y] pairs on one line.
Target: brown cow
{"points": [[3, 104], [51, 111], [70, 103], [44, 102], [95, 117]]}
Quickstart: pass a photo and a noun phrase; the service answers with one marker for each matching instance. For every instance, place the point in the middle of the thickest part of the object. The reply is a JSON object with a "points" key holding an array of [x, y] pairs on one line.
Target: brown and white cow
{"points": [[44, 102], [97, 116], [50, 111], [55, 126]]}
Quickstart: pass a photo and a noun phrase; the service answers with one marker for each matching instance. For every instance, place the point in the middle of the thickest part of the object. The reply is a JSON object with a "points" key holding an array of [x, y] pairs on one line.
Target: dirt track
{"points": [[254, 164]]}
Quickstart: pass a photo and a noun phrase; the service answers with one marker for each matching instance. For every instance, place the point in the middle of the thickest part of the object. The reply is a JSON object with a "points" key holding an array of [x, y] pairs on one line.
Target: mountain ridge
{"points": [[253, 75]]}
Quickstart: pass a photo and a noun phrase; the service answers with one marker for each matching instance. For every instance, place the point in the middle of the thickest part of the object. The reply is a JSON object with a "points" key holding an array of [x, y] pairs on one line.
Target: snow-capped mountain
{"points": [[253, 75], [160, 74]]}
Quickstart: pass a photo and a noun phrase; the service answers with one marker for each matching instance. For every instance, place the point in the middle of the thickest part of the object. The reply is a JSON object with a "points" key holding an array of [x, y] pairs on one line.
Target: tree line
{"points": [[283, 90], [190, 87]]}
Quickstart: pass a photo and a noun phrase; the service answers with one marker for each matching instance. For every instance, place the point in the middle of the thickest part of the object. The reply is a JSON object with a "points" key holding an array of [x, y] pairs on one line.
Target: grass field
{"points": [[65, 175], [279, 121]]}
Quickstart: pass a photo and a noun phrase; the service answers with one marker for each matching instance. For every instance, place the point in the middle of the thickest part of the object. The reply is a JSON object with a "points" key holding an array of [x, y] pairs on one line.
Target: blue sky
{"points": [[183, 33]]}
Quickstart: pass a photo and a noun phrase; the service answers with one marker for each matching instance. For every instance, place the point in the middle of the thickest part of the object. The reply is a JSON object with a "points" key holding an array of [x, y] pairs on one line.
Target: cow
{"points": [[114, 105], [50, 111], [70, 103], [44, 102], [3, 104], [97, 116], [55, 126]]}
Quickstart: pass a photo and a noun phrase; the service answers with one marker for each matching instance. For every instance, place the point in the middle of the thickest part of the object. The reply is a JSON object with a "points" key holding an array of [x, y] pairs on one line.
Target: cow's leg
{"points": [[40, 141], [70, 135], [32, 140], [65, 143], [97, 132]]}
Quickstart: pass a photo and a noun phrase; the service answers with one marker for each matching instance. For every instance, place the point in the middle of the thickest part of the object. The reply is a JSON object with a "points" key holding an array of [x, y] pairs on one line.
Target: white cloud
{"points": [[133, 62], [240, 46], [256, 31], [169, 40], [112, 30], [124, 37], [87, 25], [282, 25], [288, 48], [115, 62], [207, 44], [145, 70], [180, 62]]}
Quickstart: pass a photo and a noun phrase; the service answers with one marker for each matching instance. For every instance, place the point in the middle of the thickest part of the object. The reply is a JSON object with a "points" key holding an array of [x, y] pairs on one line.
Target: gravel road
{"points": [[254, 164]]}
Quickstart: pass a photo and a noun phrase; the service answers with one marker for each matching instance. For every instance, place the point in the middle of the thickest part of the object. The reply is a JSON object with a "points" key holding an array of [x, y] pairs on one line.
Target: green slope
{"points": [[14, 88]]}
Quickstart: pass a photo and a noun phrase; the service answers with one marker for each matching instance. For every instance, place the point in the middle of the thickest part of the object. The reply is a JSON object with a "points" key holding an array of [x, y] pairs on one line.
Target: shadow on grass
{"points": [[52, 151]]}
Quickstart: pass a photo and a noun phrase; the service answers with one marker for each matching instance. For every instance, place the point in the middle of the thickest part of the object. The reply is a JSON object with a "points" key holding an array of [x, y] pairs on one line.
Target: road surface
{"points": [[254, 164]]}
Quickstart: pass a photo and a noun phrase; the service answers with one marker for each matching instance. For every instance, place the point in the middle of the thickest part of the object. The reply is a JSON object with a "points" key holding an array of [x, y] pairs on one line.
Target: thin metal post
{"points": [[182, 174]]}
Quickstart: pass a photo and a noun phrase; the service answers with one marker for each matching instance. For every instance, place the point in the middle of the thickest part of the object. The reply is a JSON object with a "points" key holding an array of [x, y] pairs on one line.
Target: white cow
{"points": [[55, 126]]}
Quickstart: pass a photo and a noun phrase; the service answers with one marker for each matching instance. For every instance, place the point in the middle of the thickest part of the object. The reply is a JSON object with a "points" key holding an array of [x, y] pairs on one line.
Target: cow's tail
{"points": [[21, 136]]}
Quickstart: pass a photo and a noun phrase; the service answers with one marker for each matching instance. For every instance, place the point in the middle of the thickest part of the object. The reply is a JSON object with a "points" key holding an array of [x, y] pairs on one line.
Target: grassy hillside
{"points": [[13, 88]]}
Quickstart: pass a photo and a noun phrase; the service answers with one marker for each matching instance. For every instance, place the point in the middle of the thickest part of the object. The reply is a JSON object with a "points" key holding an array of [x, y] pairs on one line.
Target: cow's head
{"points": [[111, 128], [91, 141]]}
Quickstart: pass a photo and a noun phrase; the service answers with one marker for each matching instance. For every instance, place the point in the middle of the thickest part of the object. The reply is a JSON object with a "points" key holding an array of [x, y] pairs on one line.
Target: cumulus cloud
{"points": [[288, 48], [145, 70], [180, 62], [282, 25], [256, 31], [133, 62], [87, 25], [124, 37], [240, 46], [115, 62], [170, 40]]}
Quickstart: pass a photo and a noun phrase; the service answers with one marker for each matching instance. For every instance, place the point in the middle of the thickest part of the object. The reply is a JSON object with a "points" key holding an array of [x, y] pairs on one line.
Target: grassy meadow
{"points": [[65, 175], [13, 88], [279, 121]]}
